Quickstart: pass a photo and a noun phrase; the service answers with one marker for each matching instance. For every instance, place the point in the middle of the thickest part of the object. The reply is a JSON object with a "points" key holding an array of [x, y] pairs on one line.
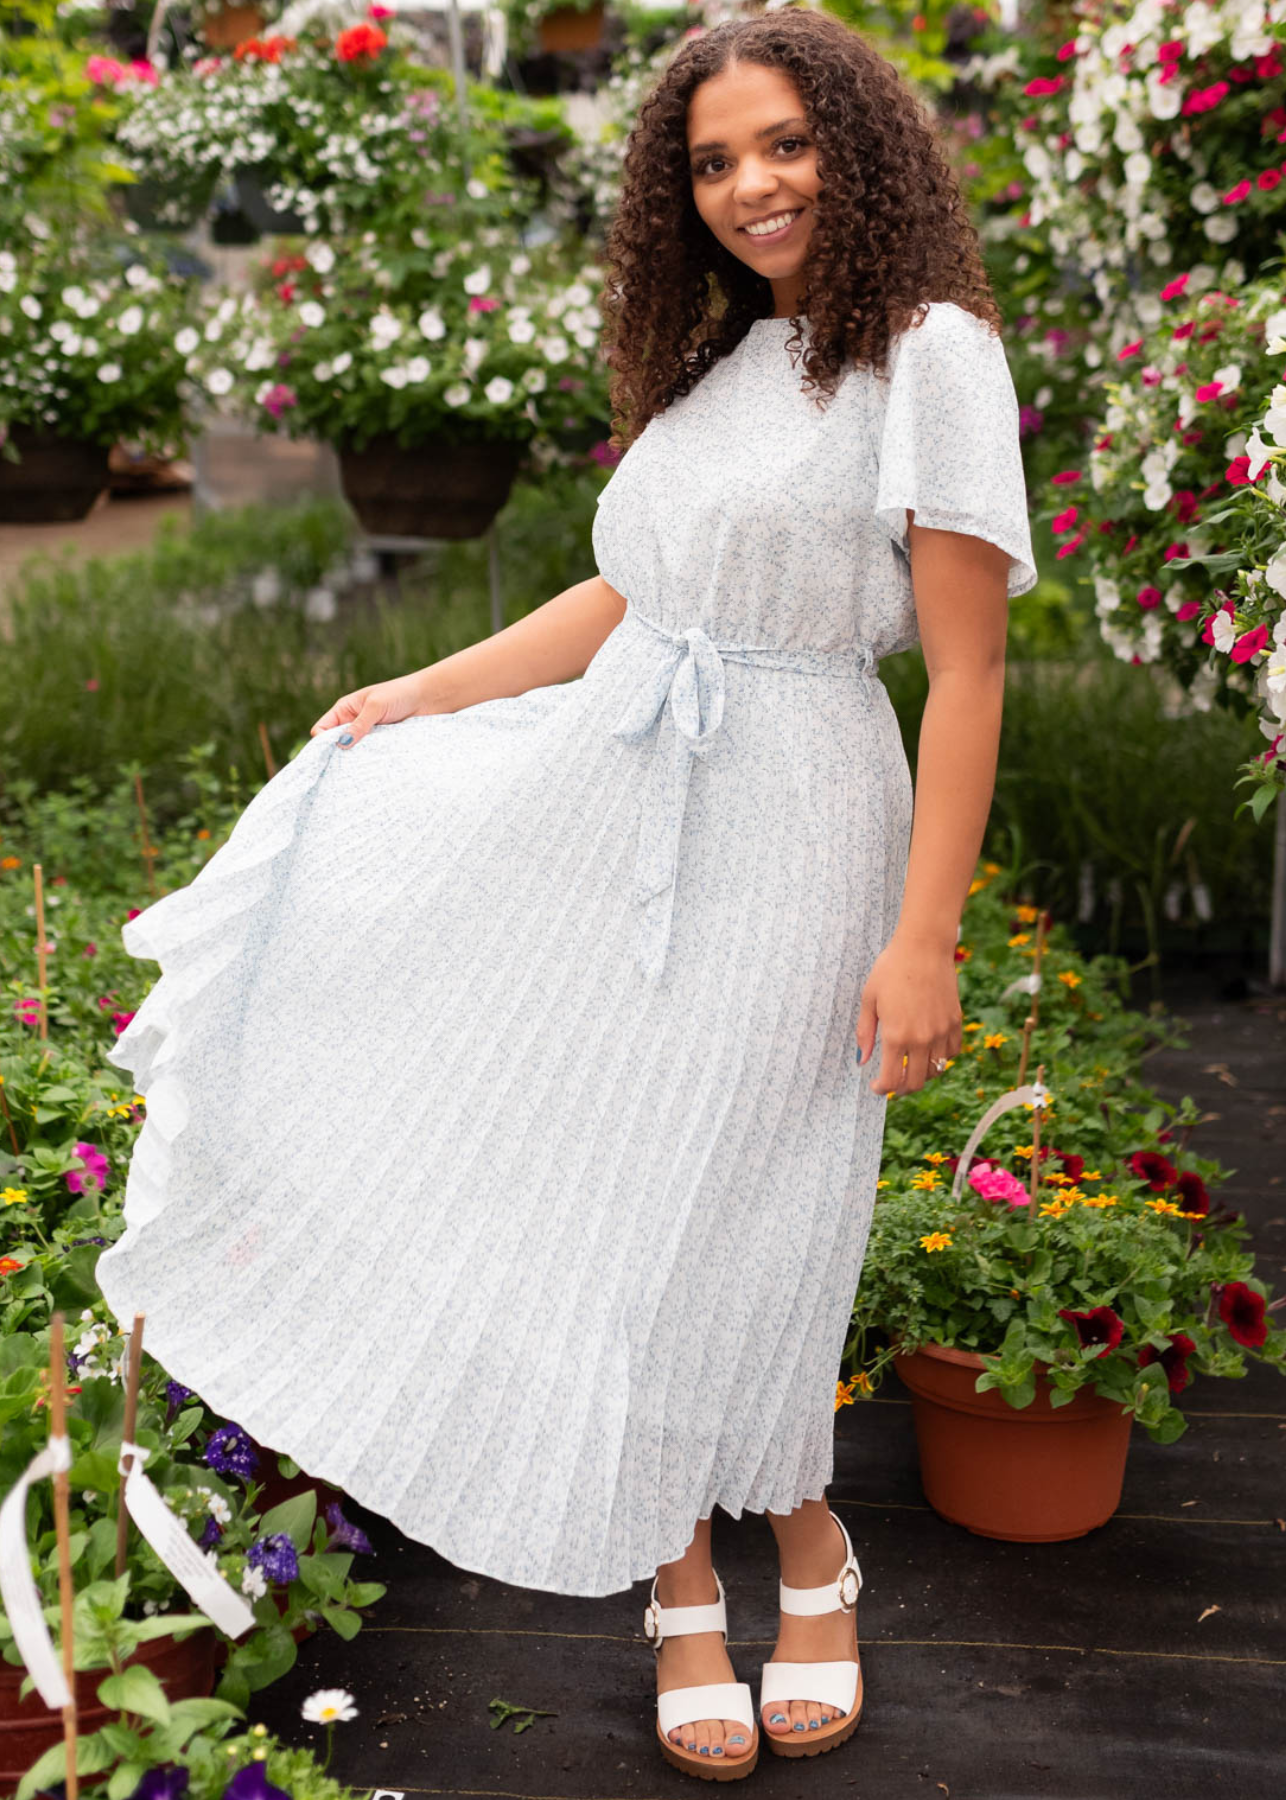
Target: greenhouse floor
{"points": [[1145, 1661]]}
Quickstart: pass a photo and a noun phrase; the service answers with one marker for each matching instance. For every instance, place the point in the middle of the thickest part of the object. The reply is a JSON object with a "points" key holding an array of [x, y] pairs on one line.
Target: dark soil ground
{"points": [[1144, 1661]]}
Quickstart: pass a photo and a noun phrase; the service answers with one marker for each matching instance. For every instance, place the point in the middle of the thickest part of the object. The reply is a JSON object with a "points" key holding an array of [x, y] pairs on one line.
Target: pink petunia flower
{"points": [[994, 1183], [93, 1174]]}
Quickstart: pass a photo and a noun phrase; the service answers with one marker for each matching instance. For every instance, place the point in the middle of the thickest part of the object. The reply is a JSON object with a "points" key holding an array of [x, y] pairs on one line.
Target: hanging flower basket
{"points": [[185, 1667], [252, 199], [570, 28], [435, 489], [58, 480], [160, 205], [227, 26], [1034, 1475]]}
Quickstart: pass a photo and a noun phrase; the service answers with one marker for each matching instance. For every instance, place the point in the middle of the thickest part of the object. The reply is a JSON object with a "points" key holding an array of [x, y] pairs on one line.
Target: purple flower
{"points": [[75, 1242], [275, 1555], [345, 1534], [230, 1452], [176, 1393], [211, 1534], [168, 1782], [251, 1783], [1030, 419]]}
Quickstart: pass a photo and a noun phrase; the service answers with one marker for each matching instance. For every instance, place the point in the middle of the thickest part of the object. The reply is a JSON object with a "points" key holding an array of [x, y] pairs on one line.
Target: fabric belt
{"points": [[691, 679]]}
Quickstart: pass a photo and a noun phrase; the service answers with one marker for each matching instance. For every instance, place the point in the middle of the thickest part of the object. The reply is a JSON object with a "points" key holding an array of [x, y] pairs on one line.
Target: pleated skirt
{"points": [[440, 1195]]}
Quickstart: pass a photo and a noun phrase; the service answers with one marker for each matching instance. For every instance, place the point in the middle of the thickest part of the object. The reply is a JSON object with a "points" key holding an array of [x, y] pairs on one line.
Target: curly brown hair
{"points": [[891, 232]]}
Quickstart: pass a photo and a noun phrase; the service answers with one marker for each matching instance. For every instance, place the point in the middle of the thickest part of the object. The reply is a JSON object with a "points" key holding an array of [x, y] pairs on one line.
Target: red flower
{"points": [[1065, 476], [1100, 1325], [1188, 610], [8, 1264], [359, 41], [1174, 1360], [1064, 521], [1072, 1165], [1148, 597], [1242, 1311], [1249, 644], [1173, 289], [1192, 1190], [1154, 1169]]}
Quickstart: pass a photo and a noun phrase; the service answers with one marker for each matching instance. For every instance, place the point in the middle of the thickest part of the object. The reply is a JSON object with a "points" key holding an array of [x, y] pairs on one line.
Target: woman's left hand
{"points": [[911, 995]]}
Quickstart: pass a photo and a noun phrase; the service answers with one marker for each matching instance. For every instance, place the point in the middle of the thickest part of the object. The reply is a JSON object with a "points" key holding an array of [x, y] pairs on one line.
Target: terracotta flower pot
{"points": [[1033, 1475], [434, 490], [185, 1669], [231, 25], [58, 479], [565, 28]]}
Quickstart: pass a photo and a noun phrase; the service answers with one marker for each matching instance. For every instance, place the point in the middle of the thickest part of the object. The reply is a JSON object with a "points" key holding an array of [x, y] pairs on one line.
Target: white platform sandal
{"points": [[834, 1684], [713, 1700]]}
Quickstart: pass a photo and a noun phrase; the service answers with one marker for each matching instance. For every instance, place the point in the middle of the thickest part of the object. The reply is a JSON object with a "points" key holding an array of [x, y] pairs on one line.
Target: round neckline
{"points": [[772, 319]]}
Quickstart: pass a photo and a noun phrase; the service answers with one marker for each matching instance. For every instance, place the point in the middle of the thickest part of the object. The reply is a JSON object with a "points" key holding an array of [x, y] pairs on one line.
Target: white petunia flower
{"points": [[479, 281], [219, 381], [395, 377], [187, 340], [1223, 631], [253, 1583], [456, 394], [499, 389], [431, 324], [322, 258], [130, 321], [418, 368], [109, 371], [31, 306], [343, 361], [311, 314]]}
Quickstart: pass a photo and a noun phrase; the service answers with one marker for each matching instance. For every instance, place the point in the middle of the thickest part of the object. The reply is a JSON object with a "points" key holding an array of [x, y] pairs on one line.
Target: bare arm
{"points": [[961, 605], [555, 642]]}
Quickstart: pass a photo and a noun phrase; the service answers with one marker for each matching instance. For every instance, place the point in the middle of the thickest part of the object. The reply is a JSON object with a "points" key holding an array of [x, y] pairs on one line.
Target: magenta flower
{"points": [[93, 1175], [120, 1020], [1249, 644], [278, 398], [91, 949], [27, 1012]]}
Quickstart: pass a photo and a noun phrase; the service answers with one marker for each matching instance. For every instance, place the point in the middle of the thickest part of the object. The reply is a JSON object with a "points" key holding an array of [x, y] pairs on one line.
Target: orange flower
{"points": [[359, 41], [8, 1264], [203, 833], [10, 862]]}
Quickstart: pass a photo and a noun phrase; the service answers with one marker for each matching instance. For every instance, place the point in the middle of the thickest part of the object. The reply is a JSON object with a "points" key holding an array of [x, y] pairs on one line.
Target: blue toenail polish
{"points": [[799, 1725], [813, 1724], [777, 1719], [691, 1746], [736, 1740], [705, 1750], [717, 1751]]}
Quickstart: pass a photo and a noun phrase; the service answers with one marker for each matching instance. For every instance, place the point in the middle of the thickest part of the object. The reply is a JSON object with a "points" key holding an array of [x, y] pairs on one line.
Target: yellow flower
{"points": [[994, 1039], [1108, 1199], [1057, 1179], [1094, 1015], [1019, 937], [1053, 1209], [981, 1093], [974, 1025], [881, 1183], [936, 1240], [1069, 978], [13, 1196], [1091, 1175], [1023, 1149], [975, 886], [1072, 1194], [926, 1179], [991, 868], [1028, 914], [863, 1382], [843, 1394], [935, 1156], [1162, 1206], [948, 1062]]}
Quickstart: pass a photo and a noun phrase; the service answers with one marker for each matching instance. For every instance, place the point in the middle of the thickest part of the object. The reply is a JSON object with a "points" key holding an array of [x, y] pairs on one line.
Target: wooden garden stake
{"points": [[62, 1526], [131, 1413], [1035, 1138], [41, 971], [269, 764], [8, 1119], [1033, 1016], [148, 852]]}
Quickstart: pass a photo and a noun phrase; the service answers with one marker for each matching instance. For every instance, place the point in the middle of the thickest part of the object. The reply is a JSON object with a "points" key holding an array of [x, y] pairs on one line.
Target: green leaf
{"points": [[341, 1620], [124, 1780], [294, 1517], [92, 1756], [136, 1690]]}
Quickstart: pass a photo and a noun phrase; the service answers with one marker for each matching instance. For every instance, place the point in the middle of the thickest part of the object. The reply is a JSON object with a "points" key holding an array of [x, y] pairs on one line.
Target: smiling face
{"points": [[752, 157]]}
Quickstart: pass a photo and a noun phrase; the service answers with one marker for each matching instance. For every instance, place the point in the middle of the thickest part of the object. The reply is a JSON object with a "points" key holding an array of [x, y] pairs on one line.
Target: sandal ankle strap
{"points": [[839, 1595], [660, 1622]]}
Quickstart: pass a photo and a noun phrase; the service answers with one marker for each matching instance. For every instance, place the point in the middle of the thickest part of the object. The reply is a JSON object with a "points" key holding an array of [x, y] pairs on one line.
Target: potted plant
{"points": [[1035, 1320], [224, 24], [430, 369], [571, 25], [90, 356]]}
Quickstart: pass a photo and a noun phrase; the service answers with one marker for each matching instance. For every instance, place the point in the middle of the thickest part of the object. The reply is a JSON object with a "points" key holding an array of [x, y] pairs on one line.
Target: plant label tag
{"points": [[18, 1586]]}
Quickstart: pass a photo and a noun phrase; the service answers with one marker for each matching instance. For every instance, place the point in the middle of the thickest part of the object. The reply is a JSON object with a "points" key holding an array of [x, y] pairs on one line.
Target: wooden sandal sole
{"points": [[810, 1743]]}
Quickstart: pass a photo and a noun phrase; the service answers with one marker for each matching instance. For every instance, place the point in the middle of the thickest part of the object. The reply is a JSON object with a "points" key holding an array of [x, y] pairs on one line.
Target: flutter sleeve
{"points": [[949, 445]]}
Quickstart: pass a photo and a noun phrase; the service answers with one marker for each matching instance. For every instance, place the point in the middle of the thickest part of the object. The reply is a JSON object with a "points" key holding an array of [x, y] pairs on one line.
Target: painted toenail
{"points": [[705, 1749], [736, 1740], [717, 1751], [778, 1719], [691, 1746], [813, 1724], [799, 1725]]}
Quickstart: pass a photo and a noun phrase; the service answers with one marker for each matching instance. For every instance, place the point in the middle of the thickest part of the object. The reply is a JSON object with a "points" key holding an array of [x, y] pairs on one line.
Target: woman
{"points": [[516, 1078]]}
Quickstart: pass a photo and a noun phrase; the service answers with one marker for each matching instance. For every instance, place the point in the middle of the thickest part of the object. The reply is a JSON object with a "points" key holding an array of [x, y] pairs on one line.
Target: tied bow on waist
{"points": [[691, 678]]}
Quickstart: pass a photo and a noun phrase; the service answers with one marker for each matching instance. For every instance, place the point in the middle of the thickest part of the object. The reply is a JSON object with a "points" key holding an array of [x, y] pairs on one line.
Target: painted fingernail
{"points": [[347, 738]]}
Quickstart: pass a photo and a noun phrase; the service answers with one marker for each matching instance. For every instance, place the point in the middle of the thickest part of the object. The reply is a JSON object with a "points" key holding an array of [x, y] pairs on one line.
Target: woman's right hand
{"points": [[383, 703]]}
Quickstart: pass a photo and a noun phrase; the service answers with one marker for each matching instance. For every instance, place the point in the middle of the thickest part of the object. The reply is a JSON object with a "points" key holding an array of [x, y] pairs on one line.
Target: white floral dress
{"points": [[507, 1161]]}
